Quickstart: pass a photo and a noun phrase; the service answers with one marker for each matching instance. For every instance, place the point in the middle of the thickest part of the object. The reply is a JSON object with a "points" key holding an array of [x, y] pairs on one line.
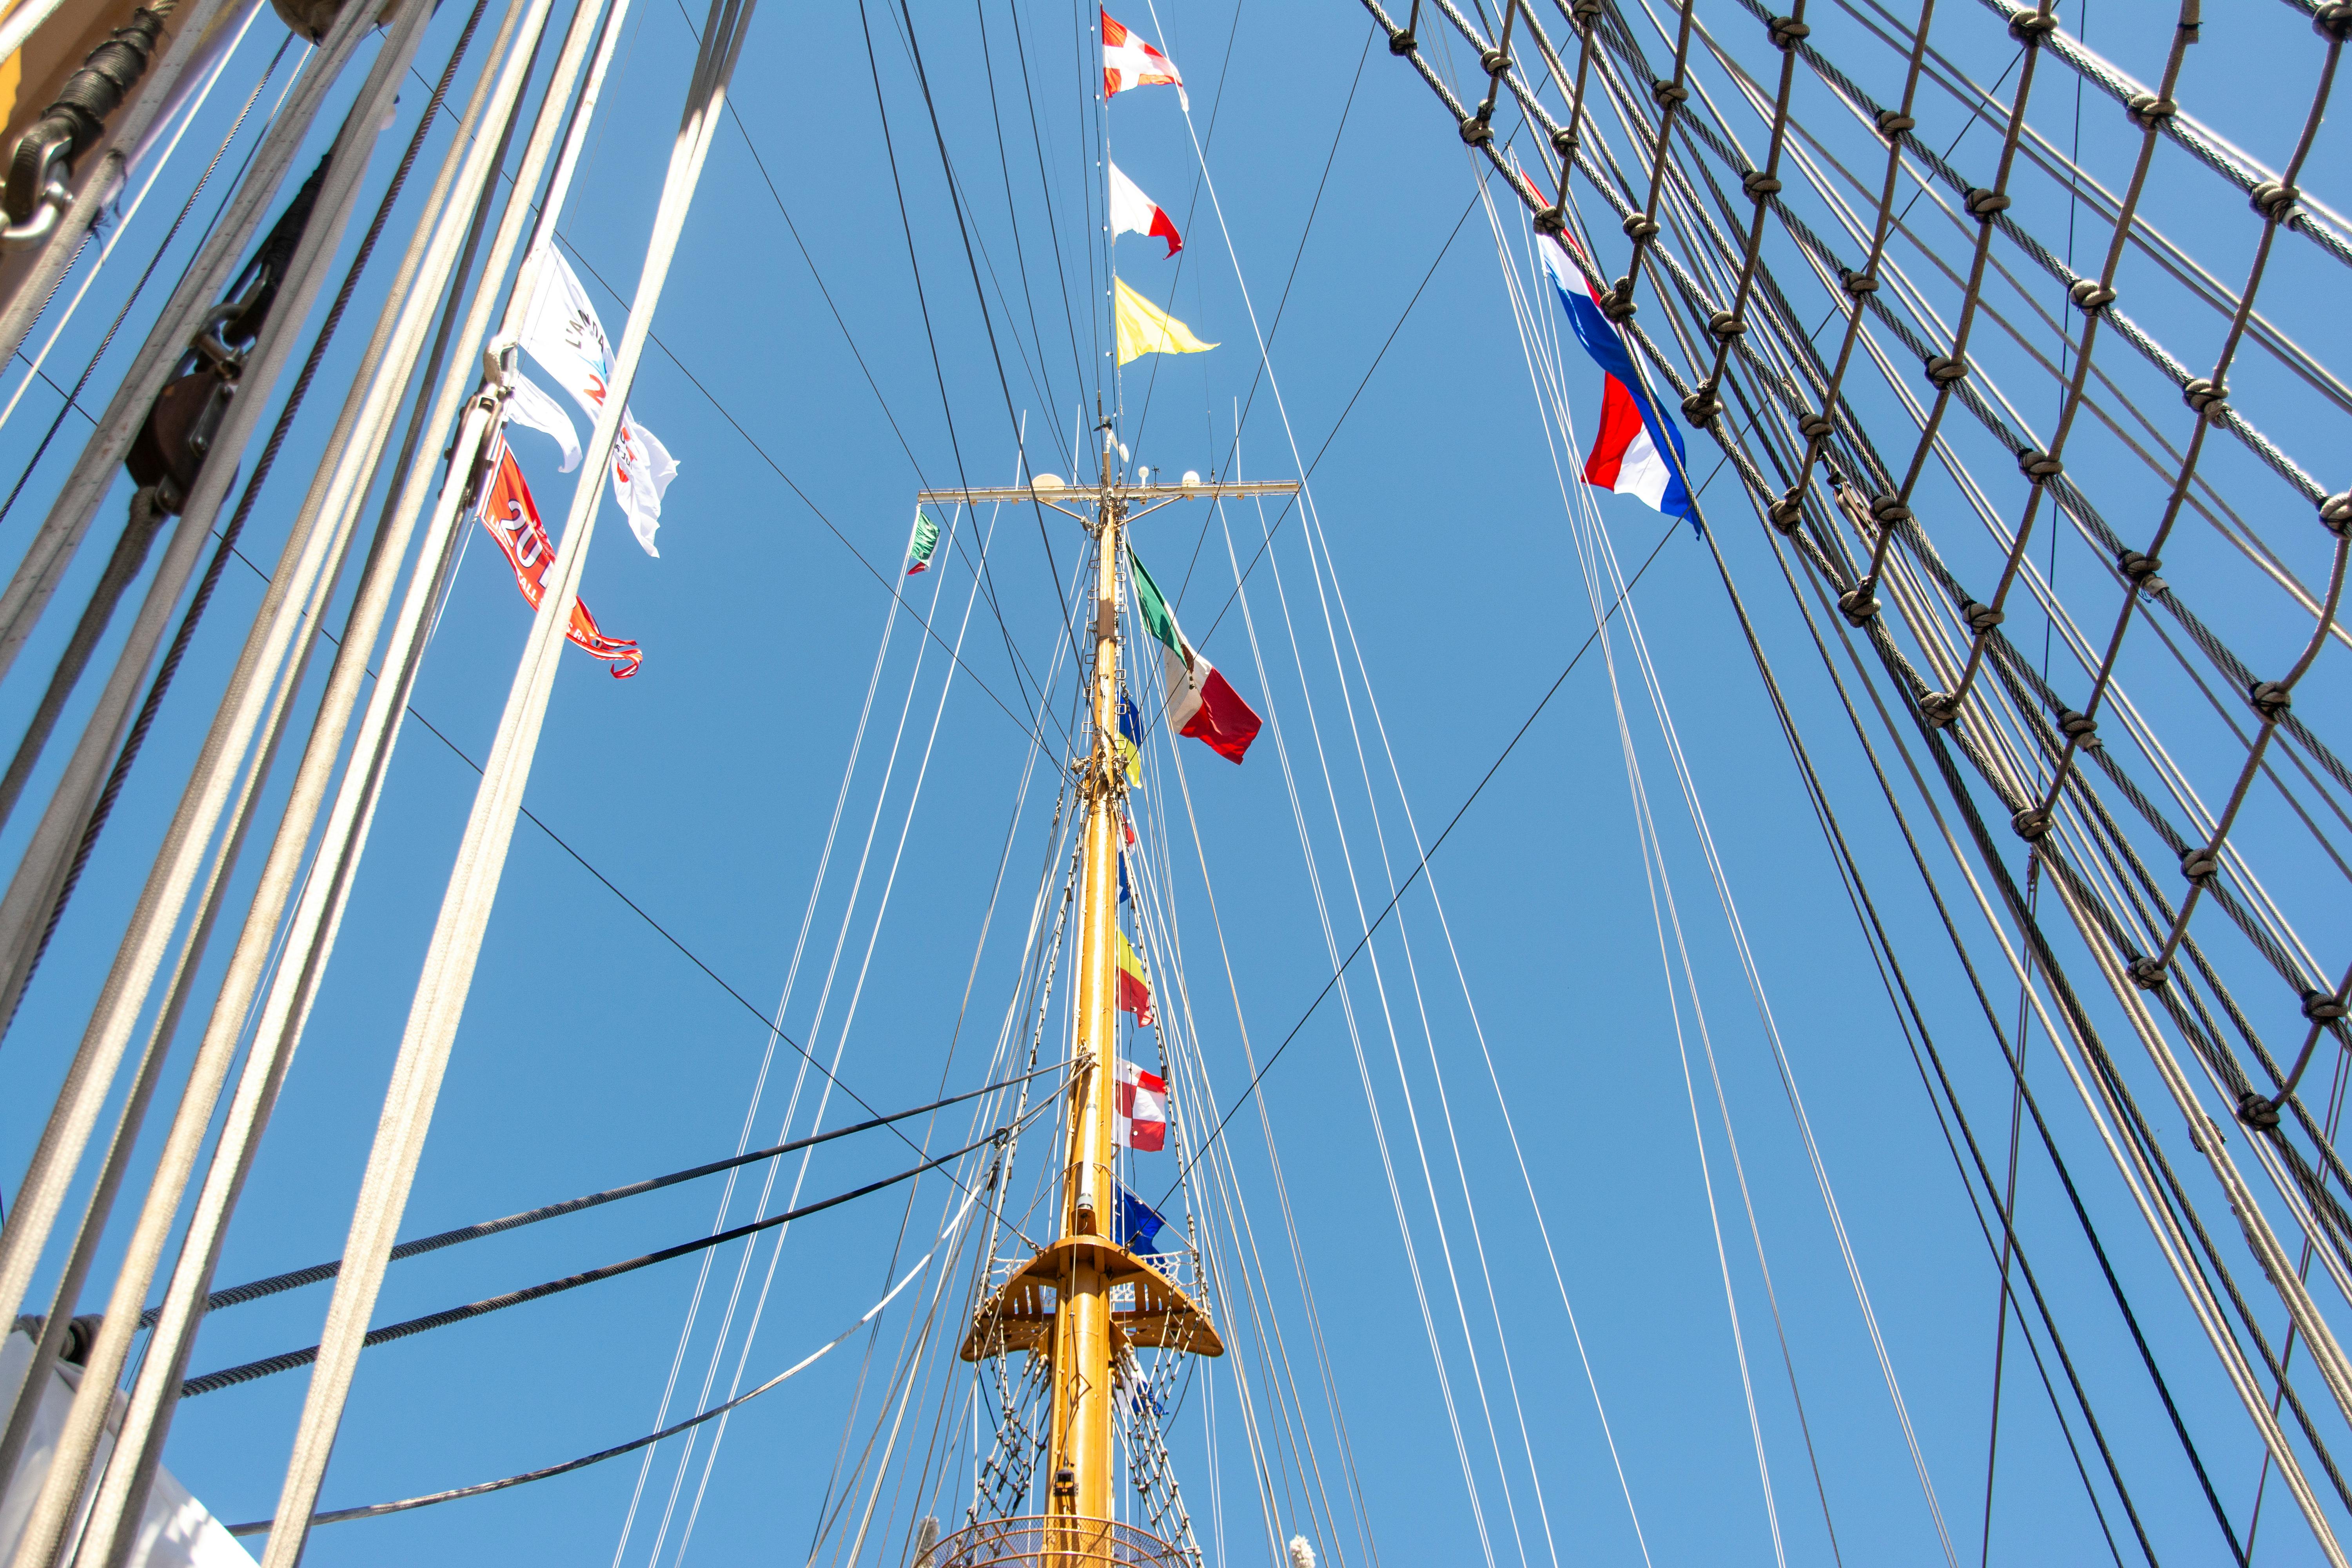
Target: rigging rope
{"points": [[480, 1488]]}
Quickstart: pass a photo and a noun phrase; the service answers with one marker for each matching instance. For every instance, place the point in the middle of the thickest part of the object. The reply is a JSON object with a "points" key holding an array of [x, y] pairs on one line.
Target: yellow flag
{"points": [[1144, 329]]}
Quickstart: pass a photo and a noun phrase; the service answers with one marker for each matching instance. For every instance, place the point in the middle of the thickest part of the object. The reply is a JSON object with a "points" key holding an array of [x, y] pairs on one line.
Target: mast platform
{"points": [[1020, 1316]]}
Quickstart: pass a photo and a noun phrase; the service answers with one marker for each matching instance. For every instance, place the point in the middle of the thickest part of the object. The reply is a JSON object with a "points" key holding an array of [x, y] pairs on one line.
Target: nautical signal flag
{"points": [[1140, 1122], [512, 518], [1200, 702], [1138, 1226], [1637, 450], [1132, 212], [921, 542], [1131, 745], [1134, 985], [1144, 329], [1130, 62]]}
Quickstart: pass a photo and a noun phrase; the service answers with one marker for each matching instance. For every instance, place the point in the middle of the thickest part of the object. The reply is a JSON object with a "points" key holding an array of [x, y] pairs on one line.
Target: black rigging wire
{"points": [[938, 368], [228, 1377], [318, 1273], [1421, 862]]}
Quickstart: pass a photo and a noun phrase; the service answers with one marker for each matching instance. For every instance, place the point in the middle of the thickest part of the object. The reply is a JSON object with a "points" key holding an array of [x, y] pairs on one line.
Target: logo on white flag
{"points": [[564, 335]]}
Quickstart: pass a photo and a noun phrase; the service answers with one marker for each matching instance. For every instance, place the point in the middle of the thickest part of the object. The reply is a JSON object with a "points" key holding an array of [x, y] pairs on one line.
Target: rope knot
{"points": [[1939, 708], [1945, 369], [2209, 397], [1640, 227], [2090, 295], [2031, 29], [2335, 512], [1980, 618], [1786, 32], [1984, 205], [2200, 863], [2270, 699], [2148, 111], [2274, 199]]}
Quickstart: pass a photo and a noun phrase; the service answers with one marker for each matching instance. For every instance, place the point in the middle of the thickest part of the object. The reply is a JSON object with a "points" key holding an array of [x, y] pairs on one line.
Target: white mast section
{"points": [[331, 508], [66, 1133], [310, 937], [456, 941]]}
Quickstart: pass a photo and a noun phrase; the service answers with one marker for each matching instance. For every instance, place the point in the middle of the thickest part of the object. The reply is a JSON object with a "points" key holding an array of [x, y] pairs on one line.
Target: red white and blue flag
{"points": [[1637, 451]]}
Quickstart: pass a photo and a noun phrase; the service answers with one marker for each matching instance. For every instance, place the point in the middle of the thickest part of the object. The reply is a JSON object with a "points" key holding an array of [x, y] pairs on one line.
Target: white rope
{"points": [[913, 802], [473, 886]]}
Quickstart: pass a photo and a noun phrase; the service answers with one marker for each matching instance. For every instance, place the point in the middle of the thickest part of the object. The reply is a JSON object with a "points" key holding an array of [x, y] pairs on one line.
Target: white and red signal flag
{"points": [[1132, 212], [1142, 1118], [1129, 61], [512, 518], [1637, 450]]}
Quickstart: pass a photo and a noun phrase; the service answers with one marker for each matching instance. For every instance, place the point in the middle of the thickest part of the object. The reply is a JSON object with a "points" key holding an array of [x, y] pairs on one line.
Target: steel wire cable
{"points": [[2085, 190], [1920, 1038], [1977, 828], [2214, 391], [228, 1377], [318, 1273], [1947, 175], [1971, 398], [2277, 957], [2140, 1138], [2195, 139], [376, 1510]]}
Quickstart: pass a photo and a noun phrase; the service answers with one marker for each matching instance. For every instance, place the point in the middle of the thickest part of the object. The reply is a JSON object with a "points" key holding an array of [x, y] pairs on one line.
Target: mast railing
{"points": [[1055, 1541]]}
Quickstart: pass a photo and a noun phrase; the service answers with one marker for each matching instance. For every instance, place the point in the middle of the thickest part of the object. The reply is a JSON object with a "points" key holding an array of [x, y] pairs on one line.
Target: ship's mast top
{"points": [[1059, 1305]]}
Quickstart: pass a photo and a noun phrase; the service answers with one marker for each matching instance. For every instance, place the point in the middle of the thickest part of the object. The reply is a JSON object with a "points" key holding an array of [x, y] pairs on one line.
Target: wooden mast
{"points": [[1079, 1450], [1083, 1300]]}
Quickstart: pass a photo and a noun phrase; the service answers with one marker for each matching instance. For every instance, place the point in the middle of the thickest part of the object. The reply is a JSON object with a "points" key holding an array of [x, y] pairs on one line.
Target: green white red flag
{"points": [[1200, 702]]}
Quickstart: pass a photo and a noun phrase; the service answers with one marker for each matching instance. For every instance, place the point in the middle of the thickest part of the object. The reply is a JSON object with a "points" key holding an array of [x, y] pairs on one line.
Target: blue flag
{"points": [[1138, 1226]]}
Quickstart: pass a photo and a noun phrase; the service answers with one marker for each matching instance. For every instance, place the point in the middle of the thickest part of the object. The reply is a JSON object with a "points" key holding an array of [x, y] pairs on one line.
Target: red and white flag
{"points": [[1142, 1120], [512, 518], [1129, 61], [1132, 212]]}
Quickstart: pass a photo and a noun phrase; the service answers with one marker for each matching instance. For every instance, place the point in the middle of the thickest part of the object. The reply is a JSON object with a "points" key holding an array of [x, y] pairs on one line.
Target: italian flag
{"points": [[1200, 702]]}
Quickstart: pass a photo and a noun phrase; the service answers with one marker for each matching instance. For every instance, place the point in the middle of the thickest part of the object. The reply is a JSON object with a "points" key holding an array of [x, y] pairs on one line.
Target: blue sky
{"points": [[820, 355]]}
